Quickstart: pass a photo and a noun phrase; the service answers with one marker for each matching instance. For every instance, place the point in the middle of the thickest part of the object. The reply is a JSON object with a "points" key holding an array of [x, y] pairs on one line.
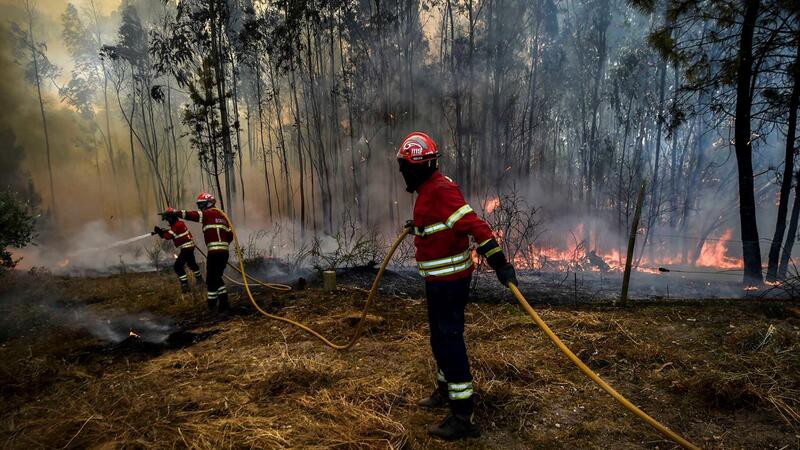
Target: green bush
{"points": [[16, 227]]}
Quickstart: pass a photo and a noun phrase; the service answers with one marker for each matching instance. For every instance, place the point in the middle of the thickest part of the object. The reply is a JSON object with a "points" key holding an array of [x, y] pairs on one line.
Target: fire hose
{"points": [[362, 321], [678, 439], [273, 286], [666, 432]]}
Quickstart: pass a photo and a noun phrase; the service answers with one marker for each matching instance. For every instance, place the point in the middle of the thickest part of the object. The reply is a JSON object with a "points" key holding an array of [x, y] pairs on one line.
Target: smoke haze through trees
{"points": [[291, 112]]}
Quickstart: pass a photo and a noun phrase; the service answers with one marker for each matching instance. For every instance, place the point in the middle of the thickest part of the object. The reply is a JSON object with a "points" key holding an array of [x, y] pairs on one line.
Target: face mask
{"points": [[415, 174]]}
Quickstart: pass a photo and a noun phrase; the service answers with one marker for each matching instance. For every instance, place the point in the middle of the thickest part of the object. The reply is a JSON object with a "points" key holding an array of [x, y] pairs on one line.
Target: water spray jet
{"points": [[112, 245]]}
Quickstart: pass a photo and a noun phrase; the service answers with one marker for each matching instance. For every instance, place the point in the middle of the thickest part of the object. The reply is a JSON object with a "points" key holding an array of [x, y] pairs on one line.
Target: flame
{"points": [[63, 263], [751, 288], [133, 334], [175, 256], [491, 204], [577, 254], [714, 255]]}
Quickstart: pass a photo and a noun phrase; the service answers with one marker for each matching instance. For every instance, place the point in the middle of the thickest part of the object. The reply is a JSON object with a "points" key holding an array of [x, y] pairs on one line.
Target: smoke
{"points": [[97, 208], [113, 326], [31, 302], [95, 249]]}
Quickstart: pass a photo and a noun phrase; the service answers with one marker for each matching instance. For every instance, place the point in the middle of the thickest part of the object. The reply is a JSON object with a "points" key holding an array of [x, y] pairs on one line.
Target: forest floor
{"points": [[724, 374]]}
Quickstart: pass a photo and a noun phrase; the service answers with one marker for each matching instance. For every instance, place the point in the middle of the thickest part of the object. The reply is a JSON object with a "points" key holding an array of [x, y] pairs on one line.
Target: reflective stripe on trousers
{"points": [[459, 391], [218, 246]]}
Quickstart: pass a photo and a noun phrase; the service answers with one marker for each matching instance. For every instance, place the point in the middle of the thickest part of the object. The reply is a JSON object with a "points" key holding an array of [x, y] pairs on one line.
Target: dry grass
{"points": [[716, 374]]}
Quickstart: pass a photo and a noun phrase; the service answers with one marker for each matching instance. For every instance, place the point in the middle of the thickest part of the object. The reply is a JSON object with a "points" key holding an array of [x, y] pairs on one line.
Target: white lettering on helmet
{"points": [[415, 145]]}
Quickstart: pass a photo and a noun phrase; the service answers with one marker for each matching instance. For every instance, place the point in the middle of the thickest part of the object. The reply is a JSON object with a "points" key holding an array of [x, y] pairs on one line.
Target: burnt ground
{"points": [[725, 374]]}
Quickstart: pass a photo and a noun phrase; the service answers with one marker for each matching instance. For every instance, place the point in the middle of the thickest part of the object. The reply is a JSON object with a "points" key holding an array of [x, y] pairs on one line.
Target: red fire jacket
{"points": [[445, 221], [179, 234], [216, 229]]}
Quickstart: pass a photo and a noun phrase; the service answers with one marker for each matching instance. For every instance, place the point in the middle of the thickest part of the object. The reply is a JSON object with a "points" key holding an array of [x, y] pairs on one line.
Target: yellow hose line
{"points": [[359, 328], [678, 439], [273, 286]]}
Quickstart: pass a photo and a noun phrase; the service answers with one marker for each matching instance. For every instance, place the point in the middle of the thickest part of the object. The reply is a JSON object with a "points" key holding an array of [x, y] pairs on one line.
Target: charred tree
{"points": [[788, 169], [751, 249]]}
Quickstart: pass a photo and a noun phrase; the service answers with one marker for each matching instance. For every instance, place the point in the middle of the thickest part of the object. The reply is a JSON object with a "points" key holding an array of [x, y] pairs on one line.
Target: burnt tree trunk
{"points": [[791, 235], [788, 169], [751, 249]]}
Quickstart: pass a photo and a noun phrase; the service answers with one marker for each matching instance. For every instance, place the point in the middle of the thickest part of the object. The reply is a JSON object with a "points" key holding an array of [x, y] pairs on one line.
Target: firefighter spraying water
{"points": [[180, 235], [218, 235]]}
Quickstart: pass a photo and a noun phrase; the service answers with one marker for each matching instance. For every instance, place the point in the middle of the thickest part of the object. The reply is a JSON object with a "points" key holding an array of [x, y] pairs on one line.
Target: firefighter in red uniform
{"points": [[182, 238], [218, 236], [443, 222]]}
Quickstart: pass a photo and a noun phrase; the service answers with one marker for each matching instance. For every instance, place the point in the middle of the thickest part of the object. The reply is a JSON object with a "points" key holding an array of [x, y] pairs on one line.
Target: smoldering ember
{"points": [[399, 224]]}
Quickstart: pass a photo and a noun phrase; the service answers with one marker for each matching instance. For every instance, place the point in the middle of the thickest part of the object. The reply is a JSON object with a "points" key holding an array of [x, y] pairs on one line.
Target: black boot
{"points": [[223, 303], [212, 305], [198, 279], [455, 427], [438, 399]]}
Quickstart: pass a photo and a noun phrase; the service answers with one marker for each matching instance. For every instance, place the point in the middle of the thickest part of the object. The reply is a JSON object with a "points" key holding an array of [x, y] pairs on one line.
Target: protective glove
{"points": [[157, 230], [506, 274], [413, 229], [497, 261]]}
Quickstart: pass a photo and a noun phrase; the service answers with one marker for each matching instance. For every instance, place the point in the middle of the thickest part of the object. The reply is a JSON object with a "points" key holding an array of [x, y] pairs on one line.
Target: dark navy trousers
{"points": [[446, 302]]}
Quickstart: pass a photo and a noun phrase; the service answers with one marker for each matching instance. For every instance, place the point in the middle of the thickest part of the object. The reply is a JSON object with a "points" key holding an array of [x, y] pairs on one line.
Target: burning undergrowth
{"points": [[535, 240], [561, 253]]}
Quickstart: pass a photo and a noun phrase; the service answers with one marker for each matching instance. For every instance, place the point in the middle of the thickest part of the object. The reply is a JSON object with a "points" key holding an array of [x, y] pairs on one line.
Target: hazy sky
{"points": [[48, 21]]}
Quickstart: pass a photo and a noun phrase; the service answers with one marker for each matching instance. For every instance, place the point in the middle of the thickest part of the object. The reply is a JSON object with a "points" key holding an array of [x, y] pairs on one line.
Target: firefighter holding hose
{"points": [[218, 235], [179, 234], [443, 222]]}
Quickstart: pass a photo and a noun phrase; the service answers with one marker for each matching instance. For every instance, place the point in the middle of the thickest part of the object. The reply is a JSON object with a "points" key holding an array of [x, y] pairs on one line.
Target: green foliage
{"points": [[662, 41], [16, 227], [85, 76], [31, 54], [646, 6], [703, 38]]}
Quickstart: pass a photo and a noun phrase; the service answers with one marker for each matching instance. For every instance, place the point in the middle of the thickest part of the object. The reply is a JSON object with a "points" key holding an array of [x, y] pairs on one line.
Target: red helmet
{"points": [[418, 148], [205, 200], [170, 215]]}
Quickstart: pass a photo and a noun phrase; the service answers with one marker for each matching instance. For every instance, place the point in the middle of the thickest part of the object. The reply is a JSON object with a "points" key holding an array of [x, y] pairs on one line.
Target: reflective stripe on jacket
{"points": [[179, 234], [217, 231], [446, 221]]}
